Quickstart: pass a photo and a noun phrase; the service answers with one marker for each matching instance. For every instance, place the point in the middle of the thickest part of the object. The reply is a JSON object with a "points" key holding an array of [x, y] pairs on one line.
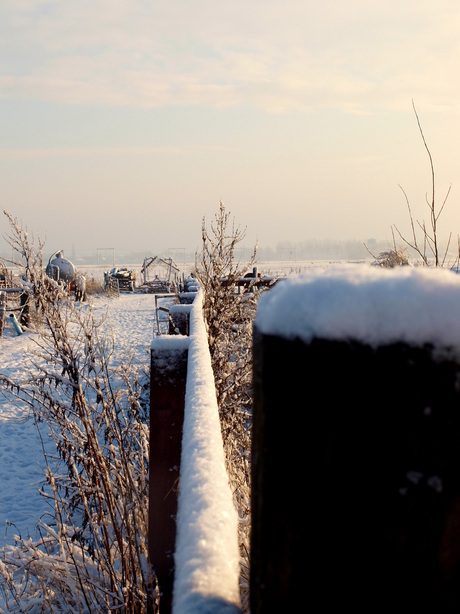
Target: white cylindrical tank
{"points": [[60, 268]]}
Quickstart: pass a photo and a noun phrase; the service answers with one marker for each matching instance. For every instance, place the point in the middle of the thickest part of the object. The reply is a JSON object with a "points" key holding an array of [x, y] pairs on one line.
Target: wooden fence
{"points": [[195, 574]]}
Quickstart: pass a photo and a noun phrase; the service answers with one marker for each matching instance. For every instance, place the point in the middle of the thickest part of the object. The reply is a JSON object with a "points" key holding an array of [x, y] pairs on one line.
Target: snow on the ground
{"points": [[132, 318], [20, 447]]}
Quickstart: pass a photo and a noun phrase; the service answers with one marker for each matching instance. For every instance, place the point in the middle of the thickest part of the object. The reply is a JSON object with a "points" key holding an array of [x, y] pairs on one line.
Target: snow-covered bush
{"points": [[229, 315], [92, 555], [391, 258]]}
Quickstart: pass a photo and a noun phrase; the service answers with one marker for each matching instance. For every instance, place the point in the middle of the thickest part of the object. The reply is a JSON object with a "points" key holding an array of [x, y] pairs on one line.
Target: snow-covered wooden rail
{"points": [[193, 534], [356, 442]]}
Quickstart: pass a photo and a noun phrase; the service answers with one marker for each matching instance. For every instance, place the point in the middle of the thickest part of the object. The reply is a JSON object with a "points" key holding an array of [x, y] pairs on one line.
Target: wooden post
{"points": [[356, 480], [24, 317], [186, 298], [2, 311], [167, 398], [179, 319]]}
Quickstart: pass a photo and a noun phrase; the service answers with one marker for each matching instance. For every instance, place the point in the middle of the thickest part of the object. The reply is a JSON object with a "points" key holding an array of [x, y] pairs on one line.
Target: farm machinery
{"points": [[120, 279], [62, 271], [159, 275]]}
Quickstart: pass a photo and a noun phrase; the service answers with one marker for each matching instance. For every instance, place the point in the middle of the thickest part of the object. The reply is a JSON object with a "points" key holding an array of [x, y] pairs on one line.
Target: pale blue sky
{"points": [[124, 122]]}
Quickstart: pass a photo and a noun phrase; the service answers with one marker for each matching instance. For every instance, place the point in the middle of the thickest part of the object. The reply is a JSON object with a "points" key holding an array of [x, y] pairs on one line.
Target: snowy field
{"points": [[132, 318]]}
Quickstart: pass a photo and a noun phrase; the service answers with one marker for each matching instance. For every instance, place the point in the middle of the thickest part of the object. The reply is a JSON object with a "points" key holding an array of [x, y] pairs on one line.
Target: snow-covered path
{"points": [[132, 319]]}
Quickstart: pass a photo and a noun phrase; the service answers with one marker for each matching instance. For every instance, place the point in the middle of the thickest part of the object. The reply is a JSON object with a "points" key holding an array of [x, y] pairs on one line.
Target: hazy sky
{"points": [[124, 122]]}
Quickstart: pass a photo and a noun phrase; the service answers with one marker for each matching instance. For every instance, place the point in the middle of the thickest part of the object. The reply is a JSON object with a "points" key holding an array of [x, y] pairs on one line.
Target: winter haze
{"points": [[124, 122]]}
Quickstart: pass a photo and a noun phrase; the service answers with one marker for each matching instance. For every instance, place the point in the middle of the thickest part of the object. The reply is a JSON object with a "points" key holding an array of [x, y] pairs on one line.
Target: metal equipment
{"points": [[121, 277], [60, 269], [64, 272], [159, 275]]}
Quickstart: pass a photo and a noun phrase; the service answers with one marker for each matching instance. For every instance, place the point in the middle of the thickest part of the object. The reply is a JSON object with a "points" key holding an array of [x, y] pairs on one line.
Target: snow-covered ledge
{"points": [[416, 305], [206, 554]]}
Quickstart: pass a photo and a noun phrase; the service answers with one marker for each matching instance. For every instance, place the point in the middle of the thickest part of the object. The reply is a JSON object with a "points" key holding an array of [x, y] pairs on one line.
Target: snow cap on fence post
{"points": [[369, 304]]}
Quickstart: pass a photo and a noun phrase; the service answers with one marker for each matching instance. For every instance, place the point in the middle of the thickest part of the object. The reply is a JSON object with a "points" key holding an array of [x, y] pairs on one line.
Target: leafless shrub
{"points": [[391, 258], [93, 286], [426, 242], [92, 555], [229, 312]]}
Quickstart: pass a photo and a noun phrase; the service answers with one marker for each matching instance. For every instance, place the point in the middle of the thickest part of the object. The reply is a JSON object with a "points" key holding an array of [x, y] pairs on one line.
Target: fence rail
{"points": [[193, 524]]}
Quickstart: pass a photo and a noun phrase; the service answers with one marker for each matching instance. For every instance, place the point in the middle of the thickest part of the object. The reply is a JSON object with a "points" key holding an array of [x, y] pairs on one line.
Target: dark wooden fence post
{"points": [[187, 298], [356, 477], [167, 396], [179, 319], [24, 318], [2, 311]]}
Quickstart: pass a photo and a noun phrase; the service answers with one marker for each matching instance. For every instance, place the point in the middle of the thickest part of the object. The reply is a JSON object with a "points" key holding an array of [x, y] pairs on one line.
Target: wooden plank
{"points": [[167, 399]]}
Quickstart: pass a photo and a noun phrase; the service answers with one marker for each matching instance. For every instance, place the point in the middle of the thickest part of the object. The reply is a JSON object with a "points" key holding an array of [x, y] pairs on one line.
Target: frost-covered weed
{"points": [[92, 555]]}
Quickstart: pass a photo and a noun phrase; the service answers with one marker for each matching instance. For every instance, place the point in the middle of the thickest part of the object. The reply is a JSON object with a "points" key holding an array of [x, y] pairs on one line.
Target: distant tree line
{"points": [[319, 249], [310, 249]]}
